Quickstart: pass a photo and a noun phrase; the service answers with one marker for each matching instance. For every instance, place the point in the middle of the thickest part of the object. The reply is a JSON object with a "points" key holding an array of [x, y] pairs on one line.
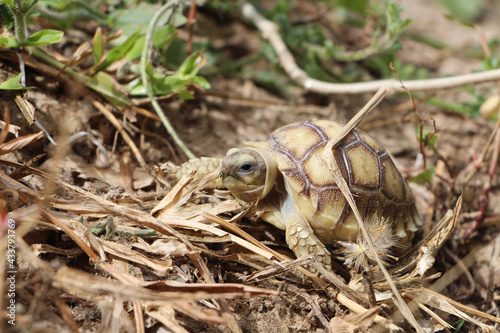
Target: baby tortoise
{"points": [[286, 177]]}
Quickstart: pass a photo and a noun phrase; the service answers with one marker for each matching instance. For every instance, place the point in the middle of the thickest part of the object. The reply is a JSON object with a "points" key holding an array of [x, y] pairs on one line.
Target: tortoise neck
{"points": [[271, 171]]}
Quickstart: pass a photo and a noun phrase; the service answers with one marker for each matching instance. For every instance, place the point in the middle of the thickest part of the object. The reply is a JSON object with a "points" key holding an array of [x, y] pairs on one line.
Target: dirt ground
{"points": [[52, 216]]}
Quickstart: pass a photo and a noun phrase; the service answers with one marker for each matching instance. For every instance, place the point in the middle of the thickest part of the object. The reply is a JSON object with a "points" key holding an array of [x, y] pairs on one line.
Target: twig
{"points": [[313, 302], [483, 201], [387, 324], [420, 124], [112, 119], [370, 105], [191, 22], [270, 31], [469, 171], [145, 81], [457, 270], [482, 39], [466, 271]]}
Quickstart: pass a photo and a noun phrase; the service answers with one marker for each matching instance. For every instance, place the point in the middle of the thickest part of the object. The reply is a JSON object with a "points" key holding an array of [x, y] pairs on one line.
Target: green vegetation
{"points": [[126, 43], [342, 41]]}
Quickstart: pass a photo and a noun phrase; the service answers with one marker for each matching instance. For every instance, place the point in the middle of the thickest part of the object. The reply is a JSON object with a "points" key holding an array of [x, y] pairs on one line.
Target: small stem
{"points": [[145, 81], [21, 30], [20, 12]]}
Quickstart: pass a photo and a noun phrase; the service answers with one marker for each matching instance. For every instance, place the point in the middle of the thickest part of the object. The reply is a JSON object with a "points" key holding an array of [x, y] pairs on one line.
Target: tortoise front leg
{"points": [[303, 242]]}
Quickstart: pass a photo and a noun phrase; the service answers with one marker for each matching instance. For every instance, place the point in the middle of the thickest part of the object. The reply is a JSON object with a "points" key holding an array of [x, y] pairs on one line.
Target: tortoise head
{"points": [[249, 173]]}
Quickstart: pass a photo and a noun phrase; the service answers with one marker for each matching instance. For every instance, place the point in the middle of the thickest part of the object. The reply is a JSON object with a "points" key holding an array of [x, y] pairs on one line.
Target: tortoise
{"points": [[286, 177]]}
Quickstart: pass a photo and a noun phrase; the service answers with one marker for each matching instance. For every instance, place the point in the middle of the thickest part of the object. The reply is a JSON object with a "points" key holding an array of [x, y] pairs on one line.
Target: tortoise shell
{"points": [[377, 186]]}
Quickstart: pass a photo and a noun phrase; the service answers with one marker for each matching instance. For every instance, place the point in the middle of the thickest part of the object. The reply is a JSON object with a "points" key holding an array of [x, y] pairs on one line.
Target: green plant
{"points": [[13, 83], [20, 9], [315, 48], [425, 176], [470, 108]]}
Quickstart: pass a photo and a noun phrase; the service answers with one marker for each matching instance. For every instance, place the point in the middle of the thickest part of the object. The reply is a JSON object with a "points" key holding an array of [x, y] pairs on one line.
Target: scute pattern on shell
{"points": [[376, 184]]}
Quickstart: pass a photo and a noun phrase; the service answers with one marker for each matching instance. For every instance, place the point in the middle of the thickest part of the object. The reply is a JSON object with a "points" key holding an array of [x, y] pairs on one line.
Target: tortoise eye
{"points": [[246, 168]]}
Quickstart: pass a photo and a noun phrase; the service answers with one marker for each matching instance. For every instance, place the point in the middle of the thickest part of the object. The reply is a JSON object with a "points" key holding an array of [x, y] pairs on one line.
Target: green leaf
{"points": [[177, 82], [13, 83], [119, 51], [458, 325], [200, 81], [394, 23], [40, 38], [98, 46], [169, 84], [186, 94], [430, 139], [162, 36], [355, 5], [9, 3], [109, 88], [9, 42], [491, 62], [462, 108], [44, 37], [425, 176], [191, 65], [175, 54]]}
